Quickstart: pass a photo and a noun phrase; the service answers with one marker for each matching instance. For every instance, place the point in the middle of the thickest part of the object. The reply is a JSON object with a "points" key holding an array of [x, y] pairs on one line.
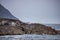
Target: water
{"points": [[30, 37], [55, 26]]}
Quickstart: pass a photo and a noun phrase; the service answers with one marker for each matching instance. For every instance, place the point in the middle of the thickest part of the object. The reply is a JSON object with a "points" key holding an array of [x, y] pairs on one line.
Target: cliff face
{"points": [[9, 24], [5, 13], [10, 30], [58, 32], [35, 28], [12, 27]]}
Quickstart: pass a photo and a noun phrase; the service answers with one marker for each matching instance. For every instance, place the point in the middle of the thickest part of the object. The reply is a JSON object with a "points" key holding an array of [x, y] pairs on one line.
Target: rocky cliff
{"points": [[12, 27]]}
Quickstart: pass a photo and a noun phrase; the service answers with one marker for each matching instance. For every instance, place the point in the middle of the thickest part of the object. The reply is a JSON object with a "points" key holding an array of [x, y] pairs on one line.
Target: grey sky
{"points": [[36, 11]]}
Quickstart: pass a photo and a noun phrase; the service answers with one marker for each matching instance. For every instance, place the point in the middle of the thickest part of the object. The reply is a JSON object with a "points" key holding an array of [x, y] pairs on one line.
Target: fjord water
{"points": [[30, 37]]}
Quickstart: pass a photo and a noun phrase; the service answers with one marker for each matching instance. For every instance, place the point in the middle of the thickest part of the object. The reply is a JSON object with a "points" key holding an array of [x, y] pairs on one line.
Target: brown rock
{"points": [[12, 27], [10, 30], [58, 32], [41, 29], [7, 27]]}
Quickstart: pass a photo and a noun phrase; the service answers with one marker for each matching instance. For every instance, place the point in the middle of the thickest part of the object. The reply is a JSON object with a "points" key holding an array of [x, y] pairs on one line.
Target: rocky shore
{"points": [[10, 25], [16, 27]]}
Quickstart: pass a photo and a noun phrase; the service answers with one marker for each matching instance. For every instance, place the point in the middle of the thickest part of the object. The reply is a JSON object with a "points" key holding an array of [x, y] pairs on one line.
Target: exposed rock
{"points": [[5, 30], [12, 25], [8, 26], [58, 32], [41, 29]]}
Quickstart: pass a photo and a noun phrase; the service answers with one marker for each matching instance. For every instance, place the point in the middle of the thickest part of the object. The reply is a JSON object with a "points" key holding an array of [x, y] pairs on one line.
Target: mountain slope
{"points": [[4, 13]]}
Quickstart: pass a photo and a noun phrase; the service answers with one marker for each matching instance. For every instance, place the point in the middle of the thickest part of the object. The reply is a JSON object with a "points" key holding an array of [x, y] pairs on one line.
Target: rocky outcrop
{"points": [[10, 30], [12, 27], [35, 28], [58, 32]]}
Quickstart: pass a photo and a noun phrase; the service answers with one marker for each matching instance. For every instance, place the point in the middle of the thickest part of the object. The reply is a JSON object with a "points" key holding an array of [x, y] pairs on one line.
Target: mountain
{"points": [[10, 25], [4, 13]]}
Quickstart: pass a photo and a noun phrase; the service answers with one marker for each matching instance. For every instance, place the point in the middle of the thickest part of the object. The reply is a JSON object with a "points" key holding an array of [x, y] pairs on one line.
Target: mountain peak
{"points": [[4, 13]]}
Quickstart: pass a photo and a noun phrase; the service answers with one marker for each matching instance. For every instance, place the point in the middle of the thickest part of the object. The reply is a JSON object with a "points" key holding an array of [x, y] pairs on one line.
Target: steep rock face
{"points": [[8, 26], [12, 27], [36, 28], [10, 30], [4, 13], [58, 32], [42, 29]]}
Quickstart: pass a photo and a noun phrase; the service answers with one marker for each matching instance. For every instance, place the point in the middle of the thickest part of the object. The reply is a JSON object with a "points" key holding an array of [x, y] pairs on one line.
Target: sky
{"points": [[34, 11]]}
